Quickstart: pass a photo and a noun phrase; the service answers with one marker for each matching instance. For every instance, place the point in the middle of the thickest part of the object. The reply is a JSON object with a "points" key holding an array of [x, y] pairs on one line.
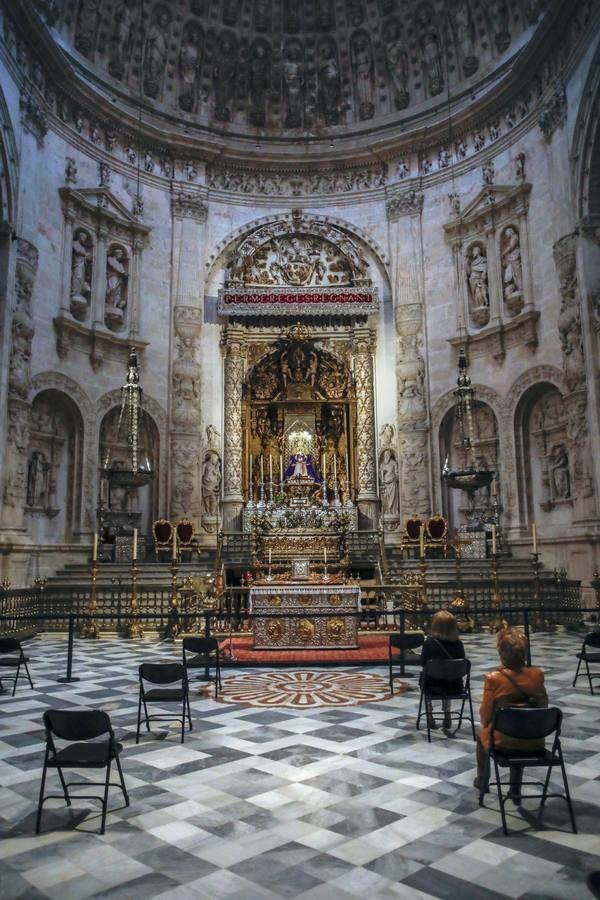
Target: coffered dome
{"points": [[298, 69]]}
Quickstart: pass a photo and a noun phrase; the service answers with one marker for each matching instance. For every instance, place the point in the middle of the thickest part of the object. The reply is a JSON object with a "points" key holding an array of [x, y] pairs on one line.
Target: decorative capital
{"points": [[34, 118], [188, 205], [408, 203], [554, 111]]}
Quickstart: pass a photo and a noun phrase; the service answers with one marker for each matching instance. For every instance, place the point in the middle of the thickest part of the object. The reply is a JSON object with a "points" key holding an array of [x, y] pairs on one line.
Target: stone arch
{"points": [[57, 381], [585, 150], [217, 259], [530, 377], [9, 167]]}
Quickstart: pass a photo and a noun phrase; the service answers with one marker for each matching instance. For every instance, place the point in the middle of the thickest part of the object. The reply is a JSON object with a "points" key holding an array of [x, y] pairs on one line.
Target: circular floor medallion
{"points": [[304, 689]]}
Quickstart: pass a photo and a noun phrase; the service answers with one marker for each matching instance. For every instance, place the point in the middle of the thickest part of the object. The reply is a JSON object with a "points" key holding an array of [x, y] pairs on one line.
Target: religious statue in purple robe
{"points": [[301, 465]]}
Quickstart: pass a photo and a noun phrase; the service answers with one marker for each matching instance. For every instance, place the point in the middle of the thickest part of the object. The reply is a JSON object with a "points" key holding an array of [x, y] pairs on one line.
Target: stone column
{"points": [[404, 211], [98, 299], [232, 427], [576, 402], [18, 406], [367, 497], [189, 219]]}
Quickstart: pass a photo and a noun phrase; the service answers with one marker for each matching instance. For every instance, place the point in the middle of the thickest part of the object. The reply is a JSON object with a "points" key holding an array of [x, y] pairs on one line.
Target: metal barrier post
{"points": [[69, 677], [402, 630]]}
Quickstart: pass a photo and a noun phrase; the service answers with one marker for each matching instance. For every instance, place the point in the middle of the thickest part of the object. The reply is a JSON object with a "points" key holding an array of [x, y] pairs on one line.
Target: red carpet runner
{"points": [[372, 650]]}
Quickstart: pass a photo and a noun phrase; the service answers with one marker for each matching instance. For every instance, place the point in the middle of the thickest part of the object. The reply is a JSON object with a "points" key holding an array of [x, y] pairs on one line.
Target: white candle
{"points": [[134, 544], [347, 468], [534, 537], [175, 545], [262, 474], [281, 468], [270, 469], [325, 555], [250, 474], [334, 469], [95, 548], [493, 540], [323, 466], [269, 556], [422, 540]]}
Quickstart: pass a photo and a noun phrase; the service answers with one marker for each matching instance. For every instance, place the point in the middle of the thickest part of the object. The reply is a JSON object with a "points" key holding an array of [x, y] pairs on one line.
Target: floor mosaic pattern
{"points": [[305, 689], [318, 803]]}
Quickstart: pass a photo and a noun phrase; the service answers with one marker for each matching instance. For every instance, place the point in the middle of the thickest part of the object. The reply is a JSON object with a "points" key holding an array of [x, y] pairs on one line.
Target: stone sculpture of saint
{"points": [[121, 42], [37, 478], [155, 53], [560, 473], [81, 267], [87, 23], [388, 474], [512, 273], [211, 484], [329, 84], [293, 79], [363, 75], [189, 65], [224, 77], [477, 271], [116, 283], [463, 29], [259, 84], [398, 64], [430, 50]]}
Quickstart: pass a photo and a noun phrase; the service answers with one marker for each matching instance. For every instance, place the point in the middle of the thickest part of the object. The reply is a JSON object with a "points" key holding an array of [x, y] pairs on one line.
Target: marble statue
{"points": [[211, 484], [81, 274], [329, 84], [388, 474], [431, 52], [363, 75], [259, 71], [120, 44], [462, 23], [155, 52], [37, 479], [224, 76], [293, 80], [512, 273], [397, 60], [477, 275], [116, 286], [189, 67], [560, 473], [87, 23]]}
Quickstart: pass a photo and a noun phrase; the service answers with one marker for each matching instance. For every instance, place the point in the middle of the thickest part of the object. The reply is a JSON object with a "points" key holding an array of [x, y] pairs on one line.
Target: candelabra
{"points": [[324, 501], [90, 629], [423, 579], [497, 622], [262, 505], [5, 584], [134, 627], [459, 603], [537, 622]]}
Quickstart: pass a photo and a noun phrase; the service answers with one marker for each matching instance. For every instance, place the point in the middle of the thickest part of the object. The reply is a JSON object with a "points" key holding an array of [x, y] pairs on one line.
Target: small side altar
{"points": [[294, 616]]}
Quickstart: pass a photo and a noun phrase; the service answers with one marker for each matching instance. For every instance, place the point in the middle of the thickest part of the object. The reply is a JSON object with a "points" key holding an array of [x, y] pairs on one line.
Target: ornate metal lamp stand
{"points": [[134, 628], [90, 628], [173, 620], [497, 623]]}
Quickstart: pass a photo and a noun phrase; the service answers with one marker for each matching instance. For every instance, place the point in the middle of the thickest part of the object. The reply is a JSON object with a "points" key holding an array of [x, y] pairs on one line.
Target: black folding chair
{"points": [[202, 653], [584, 656], [16, 660], [83, 727], [172, 679], [410, 640], [528, 723], [437, 671]]}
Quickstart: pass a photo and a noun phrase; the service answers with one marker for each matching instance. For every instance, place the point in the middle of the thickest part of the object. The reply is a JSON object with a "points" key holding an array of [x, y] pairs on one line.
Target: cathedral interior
{"points": [[306, 286]]}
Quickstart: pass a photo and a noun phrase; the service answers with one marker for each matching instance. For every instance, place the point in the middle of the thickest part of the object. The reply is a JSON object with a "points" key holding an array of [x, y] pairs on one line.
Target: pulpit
{"points": [[290, 616]]}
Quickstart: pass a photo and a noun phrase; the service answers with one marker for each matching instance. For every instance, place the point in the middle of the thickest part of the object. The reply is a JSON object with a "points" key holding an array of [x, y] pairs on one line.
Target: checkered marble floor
{"points": [[333, 803]]}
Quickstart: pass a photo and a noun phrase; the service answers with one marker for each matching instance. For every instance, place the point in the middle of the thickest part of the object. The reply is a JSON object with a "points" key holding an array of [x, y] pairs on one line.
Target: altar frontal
{"points": [[295, 616]]}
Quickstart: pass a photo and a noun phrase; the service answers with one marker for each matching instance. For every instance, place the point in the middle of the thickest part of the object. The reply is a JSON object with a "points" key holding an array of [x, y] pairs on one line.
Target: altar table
{"points": [[284, 622]]}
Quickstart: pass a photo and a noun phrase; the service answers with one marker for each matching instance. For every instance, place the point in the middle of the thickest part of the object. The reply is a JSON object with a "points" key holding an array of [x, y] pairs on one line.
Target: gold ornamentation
{"points": [[305, 630], [274, 629], [335, 629], [335, 600], [305, 600], [275, 600]]}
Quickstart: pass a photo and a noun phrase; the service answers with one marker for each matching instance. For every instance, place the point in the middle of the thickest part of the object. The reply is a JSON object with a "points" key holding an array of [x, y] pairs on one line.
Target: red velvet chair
{"points": [[162, 532], [185, 536], [436, 532]]}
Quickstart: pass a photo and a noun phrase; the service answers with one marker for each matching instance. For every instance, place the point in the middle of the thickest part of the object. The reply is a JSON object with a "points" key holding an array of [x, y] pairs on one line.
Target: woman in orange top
{"points": [[511, 685]]}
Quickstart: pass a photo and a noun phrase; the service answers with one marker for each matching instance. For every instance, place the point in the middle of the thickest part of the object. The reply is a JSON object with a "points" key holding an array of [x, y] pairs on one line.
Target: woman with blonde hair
{"points": [[442, 643], [513, 684]]}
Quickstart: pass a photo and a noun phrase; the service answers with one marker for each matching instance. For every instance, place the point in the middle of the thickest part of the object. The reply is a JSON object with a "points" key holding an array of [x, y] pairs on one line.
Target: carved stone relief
{"points": [[389, 485], [569, 320], [548, 424], [397, 61], [121, 42], [462, 24], [211, 490], [431, 49], [365, 425], [476, 270], [259, 79], [512, 270], [87, 25], [117, 277], [224, 76], [293, 74], [189, 66], [362, 62], [156, 47], [330, 95]]}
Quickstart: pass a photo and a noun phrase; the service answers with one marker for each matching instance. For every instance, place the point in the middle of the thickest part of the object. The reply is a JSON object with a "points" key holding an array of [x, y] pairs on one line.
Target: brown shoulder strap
{"points": [[518, 687]]}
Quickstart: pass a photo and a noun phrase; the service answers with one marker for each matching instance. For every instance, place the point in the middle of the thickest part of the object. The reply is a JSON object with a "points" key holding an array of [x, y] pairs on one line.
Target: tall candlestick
{"points": [[269, 556], [270, 468], [422, 541], [134, 544], [250, 479], [325, 555], [323, 465], [493, 540], [95, 548], [281, 469], [262, 473], [534, 537], [334, 468], [175, 545], [347, 468]]}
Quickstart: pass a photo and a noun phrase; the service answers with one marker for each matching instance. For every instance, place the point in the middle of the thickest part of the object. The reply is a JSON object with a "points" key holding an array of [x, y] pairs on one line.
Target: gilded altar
{"points": [[298, 616]]}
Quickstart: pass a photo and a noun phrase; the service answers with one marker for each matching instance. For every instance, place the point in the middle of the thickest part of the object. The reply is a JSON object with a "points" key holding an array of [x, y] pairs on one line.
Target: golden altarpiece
{"points": [[299, 429]]}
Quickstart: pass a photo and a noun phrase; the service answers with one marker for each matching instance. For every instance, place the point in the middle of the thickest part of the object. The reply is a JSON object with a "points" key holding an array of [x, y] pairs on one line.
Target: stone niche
{"points": [[101, 265], [495, 296]]}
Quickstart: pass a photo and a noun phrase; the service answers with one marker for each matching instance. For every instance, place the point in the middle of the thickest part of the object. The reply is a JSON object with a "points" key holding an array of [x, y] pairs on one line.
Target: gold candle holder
{"points": [[497, 622], [90, 628], [173, 620], [134, 627]]}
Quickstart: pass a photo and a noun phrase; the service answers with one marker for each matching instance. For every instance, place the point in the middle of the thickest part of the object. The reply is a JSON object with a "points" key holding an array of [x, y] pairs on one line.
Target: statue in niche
{"points": [[189, 67], [330, 94], [121, 41], [87, 23], [20, 358], [291, 16], [262, 15], [362, 61], [498, 14], [259, 71], [386, 435], [293, 80], [397, 59], [512, 271], [211, 484], [116, 287], [37, 479], [356, 12], [561, 479], [155, 52], [431, 51], [477, 280], [462, 24], [388, 475], [224, 76], [81, 274], [231, 9]]}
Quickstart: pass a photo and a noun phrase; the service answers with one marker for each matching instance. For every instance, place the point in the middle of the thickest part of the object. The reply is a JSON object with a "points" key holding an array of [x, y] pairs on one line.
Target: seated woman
{"points": [[443, 643], [514, 684]]}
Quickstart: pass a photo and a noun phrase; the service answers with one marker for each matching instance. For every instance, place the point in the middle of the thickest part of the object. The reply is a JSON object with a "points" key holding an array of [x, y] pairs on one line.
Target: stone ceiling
{"points": [[296, 68]]}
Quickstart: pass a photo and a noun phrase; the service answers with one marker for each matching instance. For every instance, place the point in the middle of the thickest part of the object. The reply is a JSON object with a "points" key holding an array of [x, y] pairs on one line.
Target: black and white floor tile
{"points": [[259, 804]]}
